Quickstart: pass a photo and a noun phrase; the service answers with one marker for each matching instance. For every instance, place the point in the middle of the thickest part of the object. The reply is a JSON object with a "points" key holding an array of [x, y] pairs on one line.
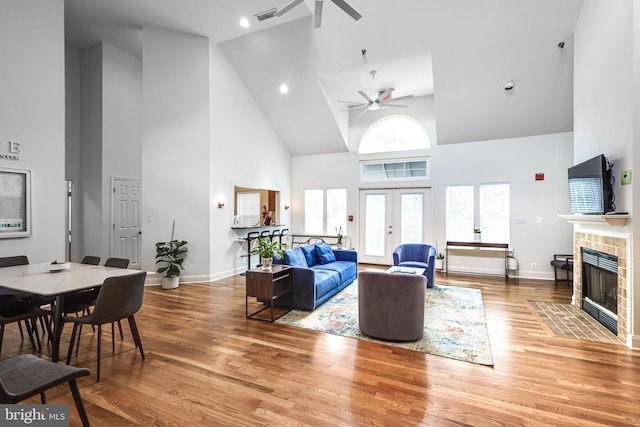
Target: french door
{"points": [[390, 217]]}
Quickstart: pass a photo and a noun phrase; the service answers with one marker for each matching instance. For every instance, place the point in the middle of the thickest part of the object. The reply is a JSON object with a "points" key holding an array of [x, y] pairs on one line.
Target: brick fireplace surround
{"points": [[609, 244]]}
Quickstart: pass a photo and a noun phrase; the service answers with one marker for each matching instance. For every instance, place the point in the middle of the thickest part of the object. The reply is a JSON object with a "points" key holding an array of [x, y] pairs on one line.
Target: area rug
{"points": [[455, 323]]}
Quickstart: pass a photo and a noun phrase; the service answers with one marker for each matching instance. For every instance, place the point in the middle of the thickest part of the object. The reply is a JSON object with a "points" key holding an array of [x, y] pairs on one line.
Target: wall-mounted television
{"points": [[591, 187]]}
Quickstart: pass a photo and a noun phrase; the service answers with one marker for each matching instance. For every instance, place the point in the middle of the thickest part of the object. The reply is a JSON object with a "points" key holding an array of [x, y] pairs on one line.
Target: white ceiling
{"points": [[460, 51]]}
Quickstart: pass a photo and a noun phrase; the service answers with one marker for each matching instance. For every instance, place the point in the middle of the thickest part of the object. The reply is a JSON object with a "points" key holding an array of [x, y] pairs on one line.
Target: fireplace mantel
{"points": [[616, 220]]}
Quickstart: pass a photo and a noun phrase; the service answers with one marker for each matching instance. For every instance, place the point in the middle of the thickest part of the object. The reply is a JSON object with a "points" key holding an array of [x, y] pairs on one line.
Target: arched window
{"points": [[394, 133]]}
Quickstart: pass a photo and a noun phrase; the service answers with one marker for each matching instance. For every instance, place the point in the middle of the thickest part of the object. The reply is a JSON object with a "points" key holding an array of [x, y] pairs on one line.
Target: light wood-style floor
{"points": [[207, 365]]}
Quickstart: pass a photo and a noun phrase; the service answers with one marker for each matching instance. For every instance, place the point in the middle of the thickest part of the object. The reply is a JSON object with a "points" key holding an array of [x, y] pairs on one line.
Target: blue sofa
{"points": [[319, 272]]}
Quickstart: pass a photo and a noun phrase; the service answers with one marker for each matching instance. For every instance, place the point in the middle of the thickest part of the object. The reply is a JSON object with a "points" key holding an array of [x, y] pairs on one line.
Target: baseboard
{"points": [[633, 341]]}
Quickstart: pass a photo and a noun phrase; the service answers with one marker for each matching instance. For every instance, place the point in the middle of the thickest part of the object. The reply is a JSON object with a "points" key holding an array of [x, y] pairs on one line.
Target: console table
{"points": [[504, 246], [267, 286]]}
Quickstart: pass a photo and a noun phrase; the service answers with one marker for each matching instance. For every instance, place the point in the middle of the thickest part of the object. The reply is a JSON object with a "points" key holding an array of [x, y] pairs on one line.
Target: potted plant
{"points": [[171, 254], [440, 261], [339, 235], [267, 249]]}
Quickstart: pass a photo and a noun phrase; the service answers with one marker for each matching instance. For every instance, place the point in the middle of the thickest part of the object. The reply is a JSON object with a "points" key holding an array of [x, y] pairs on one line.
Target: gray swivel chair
{"points": [[26, 375], [391, 305], [119, 298]]}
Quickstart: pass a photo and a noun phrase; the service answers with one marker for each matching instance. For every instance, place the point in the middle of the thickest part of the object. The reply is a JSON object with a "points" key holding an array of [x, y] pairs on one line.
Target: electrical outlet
{"points": [[533, 265]]}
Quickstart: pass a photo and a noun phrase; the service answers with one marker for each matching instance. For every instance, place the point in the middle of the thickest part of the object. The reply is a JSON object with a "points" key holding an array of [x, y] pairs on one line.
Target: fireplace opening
{"points": [[600, 287]]}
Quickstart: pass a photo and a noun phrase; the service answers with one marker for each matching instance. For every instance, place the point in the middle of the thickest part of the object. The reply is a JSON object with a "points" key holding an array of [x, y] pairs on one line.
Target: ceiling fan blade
{"points": [[401, 97], [386, 104], [356, 107], [348, 9], [317, 15], [353, 102], [365, 96], [288, 7]]}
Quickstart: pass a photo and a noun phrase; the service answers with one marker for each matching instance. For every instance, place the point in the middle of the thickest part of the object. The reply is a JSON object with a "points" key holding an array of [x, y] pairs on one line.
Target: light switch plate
{"points": [[625, 177]]}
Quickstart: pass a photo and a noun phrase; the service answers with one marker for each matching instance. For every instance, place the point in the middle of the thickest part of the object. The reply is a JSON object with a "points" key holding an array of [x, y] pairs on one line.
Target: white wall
{"points": [[72, 137], [175, 146], [121, 127], [245, 151], [607, 109], [603, 79], [514, 160], [32, 114]]}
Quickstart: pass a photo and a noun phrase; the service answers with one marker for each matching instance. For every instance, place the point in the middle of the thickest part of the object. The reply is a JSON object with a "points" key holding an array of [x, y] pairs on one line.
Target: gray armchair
{"points": [[391, 305]]}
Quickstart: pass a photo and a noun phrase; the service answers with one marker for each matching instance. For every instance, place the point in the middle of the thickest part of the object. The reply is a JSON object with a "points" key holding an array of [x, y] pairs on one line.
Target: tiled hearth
{"points": [[609, 244]]}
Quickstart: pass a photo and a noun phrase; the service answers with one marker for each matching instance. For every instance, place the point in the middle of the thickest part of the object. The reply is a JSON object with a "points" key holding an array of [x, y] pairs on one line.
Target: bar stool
{"points": [[283, 233], [275, 234], [265, 234], [251, 236]]}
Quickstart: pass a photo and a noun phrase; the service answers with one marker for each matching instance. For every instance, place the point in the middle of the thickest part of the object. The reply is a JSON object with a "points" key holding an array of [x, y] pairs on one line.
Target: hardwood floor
{"points": [[207, 365]]}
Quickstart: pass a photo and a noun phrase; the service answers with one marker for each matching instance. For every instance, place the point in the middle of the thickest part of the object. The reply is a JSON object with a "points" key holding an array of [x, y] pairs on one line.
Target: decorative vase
{"points": [[266, 262], [339, 245], [477, 237], [170, 282]]}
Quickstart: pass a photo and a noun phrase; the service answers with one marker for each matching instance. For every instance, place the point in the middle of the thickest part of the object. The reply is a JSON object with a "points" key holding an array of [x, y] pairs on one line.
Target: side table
{"points": [[267, 286]]}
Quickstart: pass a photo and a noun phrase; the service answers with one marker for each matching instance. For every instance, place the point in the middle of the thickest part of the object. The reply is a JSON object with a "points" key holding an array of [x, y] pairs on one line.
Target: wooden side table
{"points": [[267, 286]]}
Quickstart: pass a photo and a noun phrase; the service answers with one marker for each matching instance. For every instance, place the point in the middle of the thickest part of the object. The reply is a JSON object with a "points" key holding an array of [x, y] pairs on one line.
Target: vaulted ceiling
{"points": [[459, 52]]}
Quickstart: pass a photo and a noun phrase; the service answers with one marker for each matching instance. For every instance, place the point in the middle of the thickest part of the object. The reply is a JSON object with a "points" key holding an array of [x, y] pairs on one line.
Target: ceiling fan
{"points": [[317, 16], [382, 99]]}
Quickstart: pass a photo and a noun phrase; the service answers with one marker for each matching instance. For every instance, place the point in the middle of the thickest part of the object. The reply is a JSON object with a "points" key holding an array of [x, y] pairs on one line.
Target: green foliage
{"points": [[440, 256], [339, 234], [171, 255], [267, 249]]}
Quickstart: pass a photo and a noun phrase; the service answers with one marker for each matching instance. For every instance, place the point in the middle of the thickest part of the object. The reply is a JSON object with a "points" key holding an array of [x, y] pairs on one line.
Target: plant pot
{"points": [[477, 237], [170, 282], [439, 264], [339, 246], [266, 263]]}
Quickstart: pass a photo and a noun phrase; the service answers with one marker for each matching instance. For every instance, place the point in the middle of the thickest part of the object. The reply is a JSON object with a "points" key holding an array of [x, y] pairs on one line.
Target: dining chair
{"points": [[91, 260], [26, 375], [16, 307], [117, 262], [119, 298]]}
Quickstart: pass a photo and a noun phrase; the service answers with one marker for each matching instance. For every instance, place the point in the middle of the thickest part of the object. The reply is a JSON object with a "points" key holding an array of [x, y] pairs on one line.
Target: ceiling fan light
{"points": [[375, 106], [244, 23]]}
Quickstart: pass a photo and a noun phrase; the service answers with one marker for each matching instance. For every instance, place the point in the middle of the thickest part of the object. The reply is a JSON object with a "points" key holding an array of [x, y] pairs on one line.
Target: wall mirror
{"points": [[255, 207]]}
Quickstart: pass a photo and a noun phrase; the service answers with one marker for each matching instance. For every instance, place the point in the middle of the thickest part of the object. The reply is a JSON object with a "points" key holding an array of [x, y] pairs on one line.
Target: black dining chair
{"points": [[26, 375], [119, 298], [117, 262], [21, 307], [91, 260]]}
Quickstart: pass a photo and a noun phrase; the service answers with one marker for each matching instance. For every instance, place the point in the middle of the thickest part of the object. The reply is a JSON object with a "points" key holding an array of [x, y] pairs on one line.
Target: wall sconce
{"points": [[220, 200], [220, 204], [286, 204]]}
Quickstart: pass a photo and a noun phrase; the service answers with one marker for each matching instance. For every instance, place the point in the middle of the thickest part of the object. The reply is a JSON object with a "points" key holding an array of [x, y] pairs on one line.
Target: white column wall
{"points": [[121, 128], [245, 151], [32, 114], [175, 146], [607, 110]]}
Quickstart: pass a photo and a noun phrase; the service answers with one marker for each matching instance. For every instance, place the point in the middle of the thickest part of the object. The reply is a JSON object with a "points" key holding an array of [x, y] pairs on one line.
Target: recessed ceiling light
{"points": [[244, 23], [283, 88]]}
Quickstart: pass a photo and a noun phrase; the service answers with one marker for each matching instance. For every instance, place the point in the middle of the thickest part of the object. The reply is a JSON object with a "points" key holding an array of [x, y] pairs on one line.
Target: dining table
{"points": [[42, 279]]}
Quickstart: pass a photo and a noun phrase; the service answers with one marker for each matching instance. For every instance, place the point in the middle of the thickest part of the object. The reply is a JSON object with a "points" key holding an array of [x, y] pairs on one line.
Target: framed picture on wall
{"points": [[15, 203]]}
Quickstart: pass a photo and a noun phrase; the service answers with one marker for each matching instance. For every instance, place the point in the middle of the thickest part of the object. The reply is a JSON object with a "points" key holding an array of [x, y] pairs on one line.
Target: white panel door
{"points": [[126, 230], [390, 217]]}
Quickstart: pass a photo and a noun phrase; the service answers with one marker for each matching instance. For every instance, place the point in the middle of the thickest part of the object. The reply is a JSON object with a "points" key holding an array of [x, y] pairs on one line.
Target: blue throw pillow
{"points": [[295, 258], [324, 253], [310, 254]]}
